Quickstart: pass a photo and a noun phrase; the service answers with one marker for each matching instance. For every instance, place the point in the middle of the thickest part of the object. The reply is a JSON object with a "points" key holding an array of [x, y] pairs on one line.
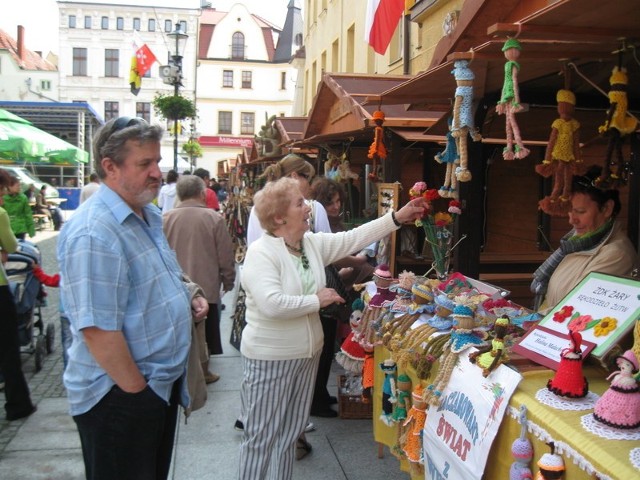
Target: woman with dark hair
{"points": [[16, 391], [167, 195], [596, 243]]}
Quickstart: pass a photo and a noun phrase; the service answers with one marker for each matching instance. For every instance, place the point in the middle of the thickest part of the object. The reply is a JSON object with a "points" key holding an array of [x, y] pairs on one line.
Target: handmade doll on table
{"points": [[562, 156], [489, 357], [509, 103], [619, 406], [569, 380]]}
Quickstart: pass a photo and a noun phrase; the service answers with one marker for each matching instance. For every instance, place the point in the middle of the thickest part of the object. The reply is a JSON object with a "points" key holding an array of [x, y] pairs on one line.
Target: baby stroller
{"points": [[29, 295]]}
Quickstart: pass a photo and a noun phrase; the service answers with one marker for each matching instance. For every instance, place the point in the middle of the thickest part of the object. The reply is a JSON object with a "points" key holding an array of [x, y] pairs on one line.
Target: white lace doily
{"points": [[547, 397], [590, 424], [634, 457]]}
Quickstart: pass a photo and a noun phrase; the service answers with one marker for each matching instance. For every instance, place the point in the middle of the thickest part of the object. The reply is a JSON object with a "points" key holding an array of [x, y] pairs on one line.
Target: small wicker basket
{"points": [[352, 406]]}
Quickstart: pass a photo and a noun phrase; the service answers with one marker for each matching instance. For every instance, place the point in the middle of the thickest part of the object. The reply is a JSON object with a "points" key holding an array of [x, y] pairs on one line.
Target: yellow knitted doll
{"points": [[563, 152], [617, 126]]}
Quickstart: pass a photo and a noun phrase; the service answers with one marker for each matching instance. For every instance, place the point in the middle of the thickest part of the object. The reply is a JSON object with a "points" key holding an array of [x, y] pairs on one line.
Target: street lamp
{"points": [[175, 60]]}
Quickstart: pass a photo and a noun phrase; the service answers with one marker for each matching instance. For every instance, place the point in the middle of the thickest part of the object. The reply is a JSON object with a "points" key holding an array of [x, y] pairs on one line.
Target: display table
{"points": [[585, 455]]}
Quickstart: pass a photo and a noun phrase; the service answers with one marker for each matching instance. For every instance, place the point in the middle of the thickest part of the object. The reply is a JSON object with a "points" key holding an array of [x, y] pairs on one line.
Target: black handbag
{"points": [[339, 311]]}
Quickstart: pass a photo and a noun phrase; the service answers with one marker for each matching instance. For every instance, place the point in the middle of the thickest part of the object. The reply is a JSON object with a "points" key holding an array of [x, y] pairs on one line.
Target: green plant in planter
{"points": [[192, 148], [174, 107]]}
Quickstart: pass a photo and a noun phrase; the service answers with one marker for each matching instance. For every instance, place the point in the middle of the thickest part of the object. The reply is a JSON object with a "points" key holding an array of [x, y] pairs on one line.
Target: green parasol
{"points": [[20, 141]]}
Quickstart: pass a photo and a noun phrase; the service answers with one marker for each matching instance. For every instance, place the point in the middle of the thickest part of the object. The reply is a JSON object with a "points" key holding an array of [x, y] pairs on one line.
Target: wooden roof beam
{"points": [[559, 33]]}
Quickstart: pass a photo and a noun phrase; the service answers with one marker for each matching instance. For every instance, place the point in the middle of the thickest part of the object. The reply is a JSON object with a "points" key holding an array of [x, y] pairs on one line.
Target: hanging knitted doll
{"points": [[463, 124], [509, 103], [489, 357], [449, 156], [551, 465], [411, 440], [619, 406], [522, 451], [569, 380], [563, 152], [377, 150], [388, 367], [618, 125]]}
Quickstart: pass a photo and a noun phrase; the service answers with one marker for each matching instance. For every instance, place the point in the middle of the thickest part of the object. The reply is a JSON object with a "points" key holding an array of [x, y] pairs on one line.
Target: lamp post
{"points": [[175, 59]]}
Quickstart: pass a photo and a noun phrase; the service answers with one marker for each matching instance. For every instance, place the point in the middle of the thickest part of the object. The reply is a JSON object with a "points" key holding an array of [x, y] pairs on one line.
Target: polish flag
{"points": [[381, 21]]}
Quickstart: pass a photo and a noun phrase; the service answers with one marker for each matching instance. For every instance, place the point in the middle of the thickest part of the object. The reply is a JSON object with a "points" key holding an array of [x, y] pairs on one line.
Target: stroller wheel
{"points": [[40, 352], [50, 337]]}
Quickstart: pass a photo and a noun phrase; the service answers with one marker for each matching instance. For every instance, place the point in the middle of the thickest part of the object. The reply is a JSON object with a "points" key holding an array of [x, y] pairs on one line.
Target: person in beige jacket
{"points": [[596, 243], [202, 243]]}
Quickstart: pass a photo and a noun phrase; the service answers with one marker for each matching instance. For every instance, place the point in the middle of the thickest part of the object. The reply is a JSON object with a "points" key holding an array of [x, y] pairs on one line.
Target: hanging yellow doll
{"points": [[563, 153], [618, 125]]}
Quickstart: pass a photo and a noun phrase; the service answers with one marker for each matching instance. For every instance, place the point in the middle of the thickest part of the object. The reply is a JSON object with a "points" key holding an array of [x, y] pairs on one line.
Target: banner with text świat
{"points": [[459, 432]]}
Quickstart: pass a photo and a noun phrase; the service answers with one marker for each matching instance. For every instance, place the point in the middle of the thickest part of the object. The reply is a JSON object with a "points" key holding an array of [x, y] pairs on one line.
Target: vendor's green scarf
{"points": [[570, 243]]}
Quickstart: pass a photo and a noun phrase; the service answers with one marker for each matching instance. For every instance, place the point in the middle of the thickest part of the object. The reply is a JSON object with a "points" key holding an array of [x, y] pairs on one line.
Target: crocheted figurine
{"points": [[619, 406], [563, 152], [551, 465], [442, 319], [509, 103], [402, 290], [522, 451], [488, 357], [351, 354], [569, 380], [403, 398], [462, 337], [367, 374], [463, 124], [449, 156], [411, 439], [617, 126], [382, 278], [388, 367]]}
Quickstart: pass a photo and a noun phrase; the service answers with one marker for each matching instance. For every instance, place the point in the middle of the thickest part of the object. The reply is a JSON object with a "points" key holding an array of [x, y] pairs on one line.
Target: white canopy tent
{"points": [[166, 163]]}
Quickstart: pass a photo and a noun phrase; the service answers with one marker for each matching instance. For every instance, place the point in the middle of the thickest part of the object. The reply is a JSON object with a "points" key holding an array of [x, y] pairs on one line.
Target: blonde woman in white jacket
{"points": [[284, 282]]}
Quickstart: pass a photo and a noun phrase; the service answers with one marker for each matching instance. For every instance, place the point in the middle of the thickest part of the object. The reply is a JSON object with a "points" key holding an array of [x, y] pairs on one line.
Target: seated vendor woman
{"points": [[596, 243]]}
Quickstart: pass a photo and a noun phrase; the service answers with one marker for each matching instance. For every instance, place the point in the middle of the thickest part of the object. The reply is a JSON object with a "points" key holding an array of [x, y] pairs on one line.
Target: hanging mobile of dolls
{"points": [[463, 124], [509, 103], [377, 150], [562, 155], [618, 125]]}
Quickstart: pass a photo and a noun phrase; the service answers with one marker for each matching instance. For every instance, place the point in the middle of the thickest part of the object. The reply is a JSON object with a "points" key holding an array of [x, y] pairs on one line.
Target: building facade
{"points": [[245, 78]]}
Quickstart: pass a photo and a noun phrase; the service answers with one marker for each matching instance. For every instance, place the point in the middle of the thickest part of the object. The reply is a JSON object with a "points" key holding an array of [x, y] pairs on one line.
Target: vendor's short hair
{"points": [[189, 186], [274, 201]]}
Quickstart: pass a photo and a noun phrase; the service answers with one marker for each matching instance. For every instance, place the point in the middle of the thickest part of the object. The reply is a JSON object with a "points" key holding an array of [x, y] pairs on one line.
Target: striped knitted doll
{"points": [[463, 124], [618, 125]]}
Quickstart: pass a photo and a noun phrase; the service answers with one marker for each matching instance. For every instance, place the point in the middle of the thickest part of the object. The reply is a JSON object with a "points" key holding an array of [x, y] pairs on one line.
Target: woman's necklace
{"points": [[299, 251]]}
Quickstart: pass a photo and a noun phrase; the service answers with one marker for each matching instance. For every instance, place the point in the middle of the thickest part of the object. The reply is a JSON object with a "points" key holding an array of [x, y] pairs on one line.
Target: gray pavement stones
{"points": [[46, 444]]}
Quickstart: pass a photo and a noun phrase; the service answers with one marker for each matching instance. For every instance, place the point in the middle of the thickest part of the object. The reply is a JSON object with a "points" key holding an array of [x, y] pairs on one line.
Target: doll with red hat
{"points": [[569, 380], [619, 406], [351, 355]]}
